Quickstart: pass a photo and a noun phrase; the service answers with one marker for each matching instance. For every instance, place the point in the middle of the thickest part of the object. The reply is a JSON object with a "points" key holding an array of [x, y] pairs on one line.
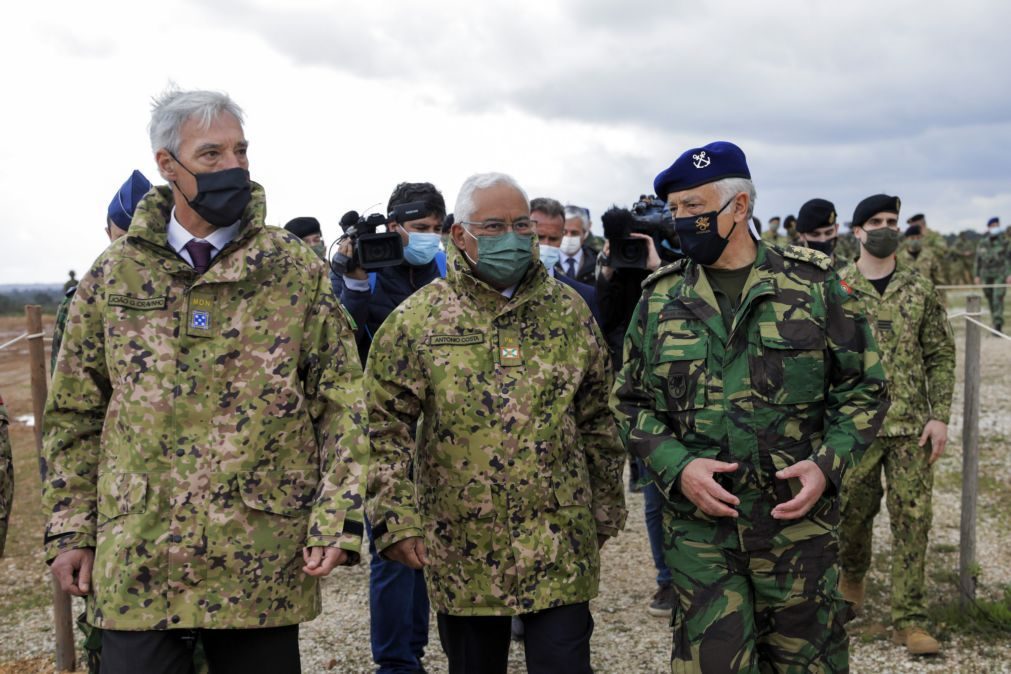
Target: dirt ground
{"points": [[626, 639]]}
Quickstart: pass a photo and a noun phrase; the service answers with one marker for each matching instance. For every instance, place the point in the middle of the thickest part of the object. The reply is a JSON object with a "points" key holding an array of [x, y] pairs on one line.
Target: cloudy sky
{"points": [[581, 100]]}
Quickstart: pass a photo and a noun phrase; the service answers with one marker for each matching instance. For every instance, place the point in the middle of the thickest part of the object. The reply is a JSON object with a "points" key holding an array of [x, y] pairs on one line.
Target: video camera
{"points": [[649, 216], [371, 250]]}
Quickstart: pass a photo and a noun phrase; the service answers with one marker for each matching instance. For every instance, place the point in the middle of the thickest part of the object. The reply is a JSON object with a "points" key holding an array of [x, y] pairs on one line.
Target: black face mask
{"points": [[221, 197], [827, 247], [700, 237]]}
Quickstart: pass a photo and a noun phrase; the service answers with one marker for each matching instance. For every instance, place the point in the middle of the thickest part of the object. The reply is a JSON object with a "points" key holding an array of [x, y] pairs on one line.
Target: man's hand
{"points": [[699, 487], [72, 570], [812, 486], [409, 552], [605, 270], [937, 432], [320, 561], [652, 258], [978, 281], [345, 248]]}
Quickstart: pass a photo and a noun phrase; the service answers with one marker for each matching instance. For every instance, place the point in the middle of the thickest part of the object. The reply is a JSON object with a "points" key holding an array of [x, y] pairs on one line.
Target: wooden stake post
{"points": [[970, 457], [62, 613]]}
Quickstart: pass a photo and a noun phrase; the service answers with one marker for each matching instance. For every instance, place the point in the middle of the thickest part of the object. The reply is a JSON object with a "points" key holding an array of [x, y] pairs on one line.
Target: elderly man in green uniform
{"points": [[117, 222], [205, 447], [513, 479], [818, 229], [750, 385], [6, 476], [918, 353], [993, 267]]}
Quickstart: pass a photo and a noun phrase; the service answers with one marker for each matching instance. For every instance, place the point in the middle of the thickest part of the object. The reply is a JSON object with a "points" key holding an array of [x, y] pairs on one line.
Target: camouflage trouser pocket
{"points": [[681, 659]]}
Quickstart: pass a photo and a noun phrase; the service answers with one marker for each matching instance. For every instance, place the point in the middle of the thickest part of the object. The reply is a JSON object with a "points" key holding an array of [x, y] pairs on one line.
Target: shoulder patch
{"points": [[666, 270], [845, 287], [808, 255]]}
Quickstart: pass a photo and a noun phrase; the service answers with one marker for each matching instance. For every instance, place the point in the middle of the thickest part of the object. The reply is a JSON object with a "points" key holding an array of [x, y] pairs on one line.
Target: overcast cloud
{"points": [[584, 101]]}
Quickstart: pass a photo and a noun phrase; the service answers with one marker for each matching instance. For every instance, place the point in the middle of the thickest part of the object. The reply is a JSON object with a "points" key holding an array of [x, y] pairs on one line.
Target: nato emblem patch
{"points": [[201, 320]]}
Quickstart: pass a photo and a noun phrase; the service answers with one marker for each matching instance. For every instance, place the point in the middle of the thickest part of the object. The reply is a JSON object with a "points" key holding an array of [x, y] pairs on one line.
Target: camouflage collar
{"points": [[149, 235], [461, 278]]}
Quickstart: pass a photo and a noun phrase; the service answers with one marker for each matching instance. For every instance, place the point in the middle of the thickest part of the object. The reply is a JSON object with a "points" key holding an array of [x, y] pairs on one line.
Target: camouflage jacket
{"points": [[993, 259], [798, 377], [774, 238], [6, 475], [59, 326], [201, 430], [928, 264], [916, 344], [517, 464]]}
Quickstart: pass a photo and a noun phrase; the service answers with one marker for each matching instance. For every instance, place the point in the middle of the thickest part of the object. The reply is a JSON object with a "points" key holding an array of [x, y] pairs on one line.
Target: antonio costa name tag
{"points": [[138, 303], [457, 340]]}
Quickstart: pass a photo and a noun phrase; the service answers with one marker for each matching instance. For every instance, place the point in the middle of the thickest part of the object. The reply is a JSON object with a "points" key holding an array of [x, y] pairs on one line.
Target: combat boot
{"points": [[916, 641], [852, 590]]}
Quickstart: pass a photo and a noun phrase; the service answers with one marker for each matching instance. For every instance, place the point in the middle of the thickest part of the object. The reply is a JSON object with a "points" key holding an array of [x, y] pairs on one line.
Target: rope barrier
{"points": [[974, 287], [988, 328], [21, 338]]}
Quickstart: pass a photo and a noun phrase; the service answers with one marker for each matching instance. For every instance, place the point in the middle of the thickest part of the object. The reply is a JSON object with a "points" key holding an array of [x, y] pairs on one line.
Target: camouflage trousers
{"points": [[776, 610], [910, 481], [995, 300]]}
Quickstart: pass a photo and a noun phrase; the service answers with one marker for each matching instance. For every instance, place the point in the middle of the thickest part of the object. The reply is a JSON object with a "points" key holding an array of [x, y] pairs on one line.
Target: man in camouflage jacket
{"points": [[516, 463], [918, 354], [747, 407], [6, 475], [205, 445], [993, 267]]}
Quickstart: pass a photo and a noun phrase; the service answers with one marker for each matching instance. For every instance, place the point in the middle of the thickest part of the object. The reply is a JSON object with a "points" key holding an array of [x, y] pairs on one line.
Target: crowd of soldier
{"points": [[213, 445]]}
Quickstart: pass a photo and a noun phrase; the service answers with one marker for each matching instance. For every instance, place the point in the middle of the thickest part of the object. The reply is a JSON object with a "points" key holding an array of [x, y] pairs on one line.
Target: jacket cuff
{"points": [[72, 540], [831, 465]]}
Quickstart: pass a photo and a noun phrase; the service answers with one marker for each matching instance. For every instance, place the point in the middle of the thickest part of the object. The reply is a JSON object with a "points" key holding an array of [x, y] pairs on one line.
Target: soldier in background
{"points": [[308, 229], [924, 259], [71, 281], [790, 225], [516, 463], [818, 229], [117, 222], [6, 475], [918, 353], [993, 267], [963, 252], [771, 233], [205, 449], [749, 386]]}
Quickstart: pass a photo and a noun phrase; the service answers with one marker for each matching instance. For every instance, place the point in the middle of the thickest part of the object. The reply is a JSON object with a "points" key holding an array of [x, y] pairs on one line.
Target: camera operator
{"points": [[624, 265], [371, 297]]}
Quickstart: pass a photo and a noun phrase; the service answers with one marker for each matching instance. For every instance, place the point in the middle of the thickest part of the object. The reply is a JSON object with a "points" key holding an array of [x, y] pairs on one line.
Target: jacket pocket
{"points": [[121, 494], [790, 369], [679, 369], [287, 493]]}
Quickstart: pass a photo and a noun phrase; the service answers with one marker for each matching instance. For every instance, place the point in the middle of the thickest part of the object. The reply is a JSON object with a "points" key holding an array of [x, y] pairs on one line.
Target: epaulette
{"points": [[809, 255], [676, 267]]}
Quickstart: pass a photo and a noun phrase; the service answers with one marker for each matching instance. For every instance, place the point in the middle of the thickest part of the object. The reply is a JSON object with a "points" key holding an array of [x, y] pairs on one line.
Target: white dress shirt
{"points": [[179, 236]]}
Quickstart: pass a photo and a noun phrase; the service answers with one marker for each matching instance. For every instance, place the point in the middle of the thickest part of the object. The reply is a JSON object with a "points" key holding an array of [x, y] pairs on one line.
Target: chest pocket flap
{"points": [[679, 367], [791, 369]]}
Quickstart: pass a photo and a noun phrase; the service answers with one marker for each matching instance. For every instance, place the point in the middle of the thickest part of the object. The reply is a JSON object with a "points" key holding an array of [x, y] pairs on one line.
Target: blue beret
{"points": [[124, 203], [993, 220], [702, 165]]}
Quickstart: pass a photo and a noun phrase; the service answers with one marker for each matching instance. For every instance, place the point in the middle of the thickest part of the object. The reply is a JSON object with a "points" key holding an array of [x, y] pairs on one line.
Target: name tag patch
{"points": [[457, 340], [138, 303]]}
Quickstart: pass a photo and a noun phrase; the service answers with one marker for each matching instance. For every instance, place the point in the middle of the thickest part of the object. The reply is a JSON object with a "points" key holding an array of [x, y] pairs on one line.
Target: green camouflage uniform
{"points": [[6, 475], [993, 265], [59, 327], [774, 238], [201, 430], [927, 263], [846, 249], [964, 252], [797, 378], [918, 353], [517, 464]]}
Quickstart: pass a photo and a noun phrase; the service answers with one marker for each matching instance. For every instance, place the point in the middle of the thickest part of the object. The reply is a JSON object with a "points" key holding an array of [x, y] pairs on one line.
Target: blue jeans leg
{"points": [[397, 602], [654, 530]]}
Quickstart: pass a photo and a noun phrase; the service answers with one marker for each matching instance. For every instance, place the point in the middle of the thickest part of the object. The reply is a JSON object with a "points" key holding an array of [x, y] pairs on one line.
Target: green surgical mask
{"points": [[882, 242], [914, 245], [502, 260], [319, 249]]}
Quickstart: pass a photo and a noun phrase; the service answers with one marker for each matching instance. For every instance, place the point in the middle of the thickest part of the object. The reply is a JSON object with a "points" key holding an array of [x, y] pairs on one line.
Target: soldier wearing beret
{"points": [[750, 385], [117, 222], [918, 354], [915, 253], [818, 228], [993, 267], [772, 235], [513, 479], [205, 449], [308, 229]]}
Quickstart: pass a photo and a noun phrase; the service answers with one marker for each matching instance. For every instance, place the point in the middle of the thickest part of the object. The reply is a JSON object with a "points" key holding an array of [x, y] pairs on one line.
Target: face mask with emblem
{"points": [[882, 242], [502, 260], [222, 196], [700, 237]]}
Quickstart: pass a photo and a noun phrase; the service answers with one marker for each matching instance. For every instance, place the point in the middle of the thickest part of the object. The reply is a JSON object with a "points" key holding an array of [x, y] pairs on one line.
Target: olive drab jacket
{"points": [[916, 345], [200, 430], [797, 377], [516, 467]]}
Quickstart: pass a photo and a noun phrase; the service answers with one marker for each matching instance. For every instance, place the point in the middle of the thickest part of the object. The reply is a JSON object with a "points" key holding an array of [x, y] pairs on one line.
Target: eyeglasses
{"points": [[495, 227]]}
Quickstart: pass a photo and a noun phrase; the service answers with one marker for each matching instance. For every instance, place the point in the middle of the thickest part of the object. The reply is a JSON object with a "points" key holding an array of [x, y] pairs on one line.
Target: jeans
{"points": [[654, 529]]}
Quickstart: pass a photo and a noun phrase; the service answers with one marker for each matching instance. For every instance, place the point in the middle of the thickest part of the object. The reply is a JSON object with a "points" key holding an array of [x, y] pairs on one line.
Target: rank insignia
{"points": [[509, 356], [201, 320]]}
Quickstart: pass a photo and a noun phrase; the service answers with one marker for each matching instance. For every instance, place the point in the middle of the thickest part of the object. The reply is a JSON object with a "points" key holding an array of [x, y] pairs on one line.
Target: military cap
{"points": [[303, 227], [913, 230], [125, 201], [815, 214], [700, 166], [993, 220], [915, 218], [871, 206]]}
